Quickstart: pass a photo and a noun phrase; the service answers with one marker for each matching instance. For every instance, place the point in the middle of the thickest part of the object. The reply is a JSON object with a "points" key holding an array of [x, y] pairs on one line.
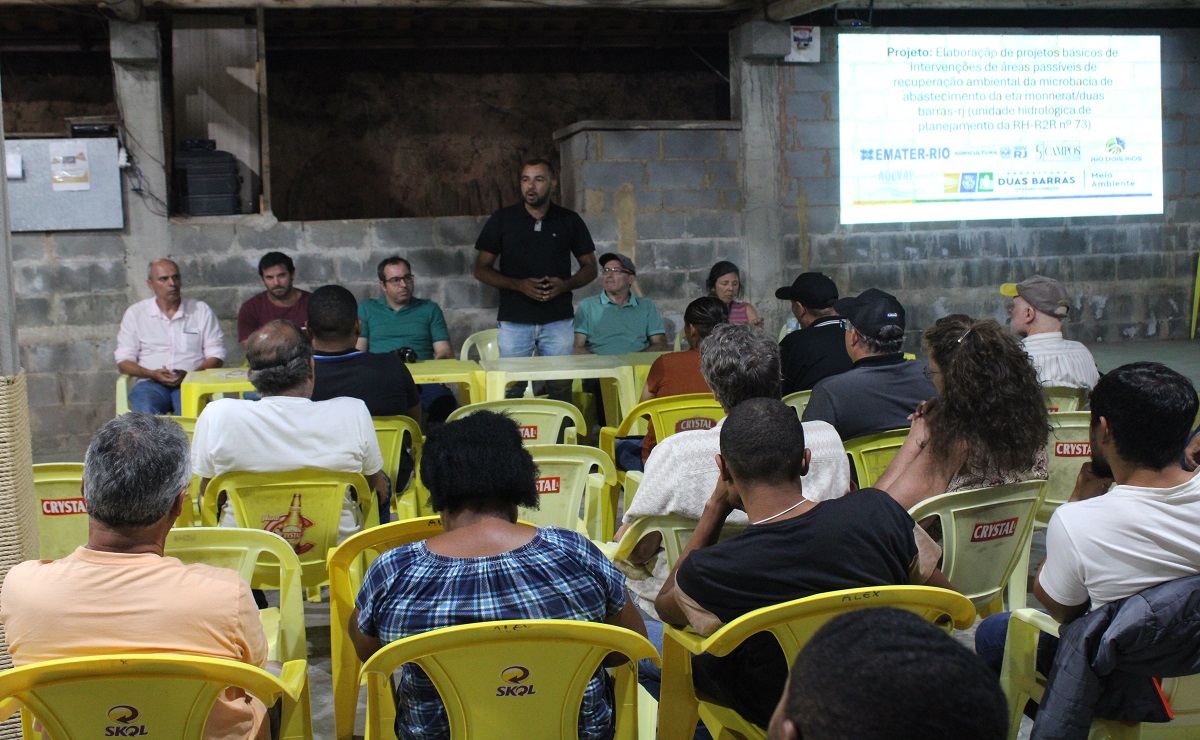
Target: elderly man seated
{"points": [[118, 594], [286, 429]]}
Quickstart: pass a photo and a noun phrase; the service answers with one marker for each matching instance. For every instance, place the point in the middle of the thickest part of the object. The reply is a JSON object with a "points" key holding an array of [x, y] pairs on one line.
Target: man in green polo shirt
{"points": [[617, 322], [398, 319]]}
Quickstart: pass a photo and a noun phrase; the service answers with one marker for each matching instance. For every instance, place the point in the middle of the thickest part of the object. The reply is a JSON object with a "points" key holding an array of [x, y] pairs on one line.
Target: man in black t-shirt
{"points": [[818, 349], [534, 241], [791, 549], [339, 369]]}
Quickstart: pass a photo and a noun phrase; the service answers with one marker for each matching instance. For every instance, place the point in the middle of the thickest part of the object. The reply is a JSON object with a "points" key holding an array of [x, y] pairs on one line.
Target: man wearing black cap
{"points": [[882, 388], [818, 350], [617, 322], [1036, 313]]}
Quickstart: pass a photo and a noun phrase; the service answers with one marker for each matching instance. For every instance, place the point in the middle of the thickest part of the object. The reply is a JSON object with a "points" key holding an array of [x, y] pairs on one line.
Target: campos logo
{"points": [[688, 425], [549, 485], [1072, 449], [64, 506], [515, 676], [995, 530], [121, 719]]}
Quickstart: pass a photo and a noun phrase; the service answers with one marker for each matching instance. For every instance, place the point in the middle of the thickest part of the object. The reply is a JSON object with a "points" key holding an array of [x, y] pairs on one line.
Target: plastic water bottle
{"points": [[792, 325]]}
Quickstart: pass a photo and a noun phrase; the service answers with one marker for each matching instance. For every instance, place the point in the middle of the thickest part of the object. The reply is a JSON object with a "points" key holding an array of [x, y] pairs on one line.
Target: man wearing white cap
{"points": [[1036, 314]]}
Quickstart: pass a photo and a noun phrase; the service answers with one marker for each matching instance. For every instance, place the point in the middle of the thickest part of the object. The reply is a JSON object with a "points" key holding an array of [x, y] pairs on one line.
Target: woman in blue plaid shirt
{"points": [[485, 567]]}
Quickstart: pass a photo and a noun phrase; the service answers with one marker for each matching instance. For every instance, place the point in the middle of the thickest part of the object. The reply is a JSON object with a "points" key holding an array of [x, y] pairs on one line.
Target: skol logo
{"points": [[529, 433], [994, 530], [122, 717], [63, 506], [549, 485], [1072, 449], [687, 425], [515, 676]]}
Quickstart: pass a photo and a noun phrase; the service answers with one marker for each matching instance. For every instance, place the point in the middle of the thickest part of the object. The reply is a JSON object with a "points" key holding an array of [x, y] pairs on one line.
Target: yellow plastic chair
{"points": [[396, 433], [985, 536], [798, 400], [302, 506], [566, 480], [347, 563], [522, 678], [1060, 398], [675, 530], [190, 516], [62, 515], [792, 623], [1067, 448], [159, 695], [485, 343], [1022, 683], [870, 455], [124, 385], [540, 419], [669, 414]]}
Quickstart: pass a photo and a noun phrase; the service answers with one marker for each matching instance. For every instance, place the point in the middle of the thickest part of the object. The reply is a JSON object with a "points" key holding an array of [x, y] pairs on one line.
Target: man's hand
{"points": [[533, 288], [169, 378], [724, 500], [1192, 452], [1088, 484], [554, 287]]}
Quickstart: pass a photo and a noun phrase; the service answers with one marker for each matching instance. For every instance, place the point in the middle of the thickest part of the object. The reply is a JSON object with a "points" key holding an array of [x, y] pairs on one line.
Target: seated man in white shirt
{"points": [[1036, 314], [286, 429], [164, 338], [738, 362]]}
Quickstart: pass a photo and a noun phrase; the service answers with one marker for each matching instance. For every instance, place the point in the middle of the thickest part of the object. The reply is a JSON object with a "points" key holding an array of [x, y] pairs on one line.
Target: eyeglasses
{"points": [[845, 324], [609, 270], [399, 280], [930, 372]]}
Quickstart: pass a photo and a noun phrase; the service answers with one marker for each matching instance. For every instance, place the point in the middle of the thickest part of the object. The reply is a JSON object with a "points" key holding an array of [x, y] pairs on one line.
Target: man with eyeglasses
{"points": [[398, 319], [616, 322], [882, 389], [534, 241]]}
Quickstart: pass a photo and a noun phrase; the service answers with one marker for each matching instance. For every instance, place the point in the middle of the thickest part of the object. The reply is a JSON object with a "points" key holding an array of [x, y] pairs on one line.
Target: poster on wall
{"points": [[69, 165], [806, 45], [966, 127]]}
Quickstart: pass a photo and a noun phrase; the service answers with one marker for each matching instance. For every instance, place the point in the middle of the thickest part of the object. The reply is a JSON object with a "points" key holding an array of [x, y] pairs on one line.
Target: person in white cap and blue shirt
{"points": [[1039, 305]]}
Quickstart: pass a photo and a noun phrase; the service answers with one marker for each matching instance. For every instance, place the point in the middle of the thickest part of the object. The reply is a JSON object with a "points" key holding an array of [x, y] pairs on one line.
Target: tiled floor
{"points": [[1181, 356]]}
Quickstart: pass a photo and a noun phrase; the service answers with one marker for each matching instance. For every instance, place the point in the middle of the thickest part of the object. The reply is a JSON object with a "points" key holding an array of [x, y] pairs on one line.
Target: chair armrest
{"points": [[685, 637], [1040, 621], [294, 677], [608, 442]]}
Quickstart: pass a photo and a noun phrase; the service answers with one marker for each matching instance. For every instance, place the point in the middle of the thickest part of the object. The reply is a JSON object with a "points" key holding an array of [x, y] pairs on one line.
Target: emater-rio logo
{"points": [[515, 676], [121, 718]]}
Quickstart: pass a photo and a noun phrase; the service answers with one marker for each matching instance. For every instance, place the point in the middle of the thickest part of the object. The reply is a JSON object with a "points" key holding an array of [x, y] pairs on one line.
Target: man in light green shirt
{"points": [[616, 322]]}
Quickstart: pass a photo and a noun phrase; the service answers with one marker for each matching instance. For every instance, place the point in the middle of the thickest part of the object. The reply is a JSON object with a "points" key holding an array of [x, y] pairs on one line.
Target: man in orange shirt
{"points": [[119, 594]]}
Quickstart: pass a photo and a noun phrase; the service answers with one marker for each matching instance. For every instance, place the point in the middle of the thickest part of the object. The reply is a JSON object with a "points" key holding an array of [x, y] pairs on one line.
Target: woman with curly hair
{"points": [[725, 282], [987, 428]]}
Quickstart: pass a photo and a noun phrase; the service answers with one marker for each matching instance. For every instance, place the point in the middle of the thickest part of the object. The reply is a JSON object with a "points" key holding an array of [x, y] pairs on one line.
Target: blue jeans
{"points": [[991, 636], [547, 340], [152, 397], [437, 401]]}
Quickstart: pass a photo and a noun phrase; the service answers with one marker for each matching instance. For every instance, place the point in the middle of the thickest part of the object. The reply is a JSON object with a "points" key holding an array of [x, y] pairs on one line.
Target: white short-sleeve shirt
{"points": [[1113, 546], [180, 342]]}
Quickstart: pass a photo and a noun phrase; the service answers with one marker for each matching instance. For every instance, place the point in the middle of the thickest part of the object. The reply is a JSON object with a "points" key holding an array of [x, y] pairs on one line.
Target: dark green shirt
{"points": [[417, 326]]}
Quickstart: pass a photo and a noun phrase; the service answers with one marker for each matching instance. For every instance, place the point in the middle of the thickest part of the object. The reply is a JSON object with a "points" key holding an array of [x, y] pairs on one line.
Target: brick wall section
{"points": [[1130, 277], [666, 193]]}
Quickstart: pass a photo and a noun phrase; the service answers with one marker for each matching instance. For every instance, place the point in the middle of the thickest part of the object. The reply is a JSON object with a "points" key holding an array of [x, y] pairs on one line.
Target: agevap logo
{"points": [[121, 722], [515, 676]]}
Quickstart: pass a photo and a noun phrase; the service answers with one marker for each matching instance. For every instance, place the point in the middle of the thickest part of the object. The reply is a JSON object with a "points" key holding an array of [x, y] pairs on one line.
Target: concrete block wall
{"points": [[1130, 277], [666, 193]]}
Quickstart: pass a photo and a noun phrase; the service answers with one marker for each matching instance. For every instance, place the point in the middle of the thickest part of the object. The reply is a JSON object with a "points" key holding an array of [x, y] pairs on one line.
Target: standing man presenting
{"points": [[534, 241], [280, 300], [164, 338]]}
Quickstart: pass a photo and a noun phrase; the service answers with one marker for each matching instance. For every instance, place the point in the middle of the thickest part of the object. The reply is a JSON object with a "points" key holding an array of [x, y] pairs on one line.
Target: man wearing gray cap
{"points": [[617, 322], [818, 350], [1036, 313], [882, 389]]}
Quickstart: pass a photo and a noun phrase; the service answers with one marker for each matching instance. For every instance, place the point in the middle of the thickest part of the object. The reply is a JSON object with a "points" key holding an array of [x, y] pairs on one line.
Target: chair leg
{"points": [[678, 709]]}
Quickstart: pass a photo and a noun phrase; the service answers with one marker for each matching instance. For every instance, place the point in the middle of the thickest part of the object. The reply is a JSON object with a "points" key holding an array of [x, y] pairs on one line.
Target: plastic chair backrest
{"points": [[675, 529], [190, 516], [507, 679], [1068, 447], [985, 532], [252, 552], [870, 455], [395, 433], [347, 564], [798, 400], [302, 506], [565, 481], [540, 419], [124, 385], [1061, 398], [485, 343], [163, 696], [669, 414], [62, 515]]}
